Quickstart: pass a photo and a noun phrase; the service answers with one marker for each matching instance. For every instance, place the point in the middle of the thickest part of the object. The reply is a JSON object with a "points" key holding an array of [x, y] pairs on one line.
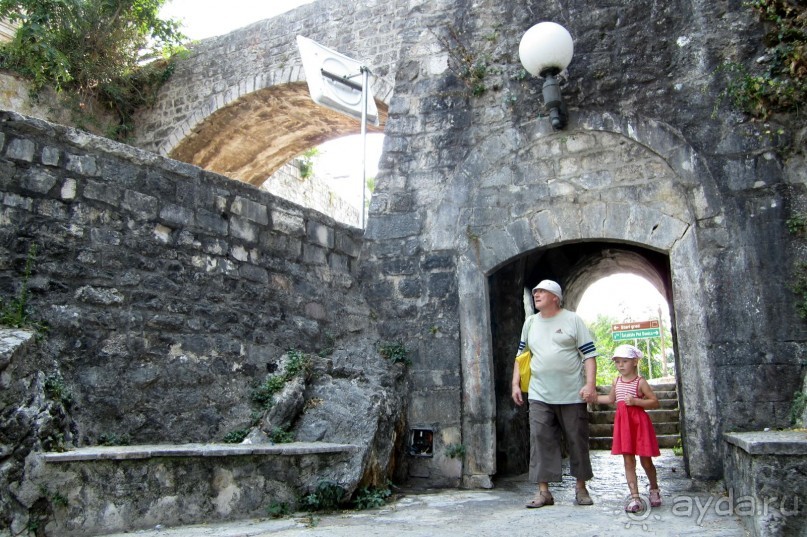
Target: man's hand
{"points": [[517, 398], [588, 394]]}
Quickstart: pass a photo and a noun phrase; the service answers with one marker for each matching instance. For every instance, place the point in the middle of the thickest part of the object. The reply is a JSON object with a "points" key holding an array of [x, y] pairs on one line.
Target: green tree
{"points": [[603, 339], [98, 50]]}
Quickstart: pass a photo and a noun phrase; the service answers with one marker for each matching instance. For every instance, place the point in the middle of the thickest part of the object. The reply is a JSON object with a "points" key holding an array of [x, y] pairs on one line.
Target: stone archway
{"points": [[576, 266], [656, 210]]}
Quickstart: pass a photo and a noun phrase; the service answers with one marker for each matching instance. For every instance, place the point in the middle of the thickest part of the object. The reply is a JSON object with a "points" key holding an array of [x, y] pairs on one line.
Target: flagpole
{"points": [[364, 93]]}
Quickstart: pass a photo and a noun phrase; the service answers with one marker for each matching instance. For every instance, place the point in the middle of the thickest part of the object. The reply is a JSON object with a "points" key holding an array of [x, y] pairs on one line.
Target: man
{"points": [[562, 380]]}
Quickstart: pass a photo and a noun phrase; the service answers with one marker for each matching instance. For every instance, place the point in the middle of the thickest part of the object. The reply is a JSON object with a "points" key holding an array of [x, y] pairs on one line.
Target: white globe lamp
{"points": [[545, 50]]}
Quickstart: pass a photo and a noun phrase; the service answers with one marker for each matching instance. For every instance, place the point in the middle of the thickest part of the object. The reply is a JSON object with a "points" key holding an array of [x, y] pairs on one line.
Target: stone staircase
{"points": [[665, 419]]}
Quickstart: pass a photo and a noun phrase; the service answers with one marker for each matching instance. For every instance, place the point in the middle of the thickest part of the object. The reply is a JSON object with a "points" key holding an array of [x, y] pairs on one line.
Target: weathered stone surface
{"points": [[164, 313], [124, 489], [765, 482], [644, 179]]}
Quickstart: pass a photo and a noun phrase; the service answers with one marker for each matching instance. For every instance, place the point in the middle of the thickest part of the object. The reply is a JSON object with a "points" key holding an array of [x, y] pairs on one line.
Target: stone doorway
{"points": [[575, 266]]}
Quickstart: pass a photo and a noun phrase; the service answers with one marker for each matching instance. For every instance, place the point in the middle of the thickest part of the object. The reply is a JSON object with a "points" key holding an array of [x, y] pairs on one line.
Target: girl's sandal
{"points": [[655, 498], [634, 506]]}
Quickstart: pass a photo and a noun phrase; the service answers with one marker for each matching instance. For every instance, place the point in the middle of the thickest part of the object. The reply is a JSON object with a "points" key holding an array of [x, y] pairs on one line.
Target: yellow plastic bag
{"points": [[523, 361]]}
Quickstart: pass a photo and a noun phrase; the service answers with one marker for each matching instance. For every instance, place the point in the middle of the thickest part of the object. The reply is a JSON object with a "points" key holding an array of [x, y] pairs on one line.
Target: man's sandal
{"points": [[582, 497], [541, 499]]}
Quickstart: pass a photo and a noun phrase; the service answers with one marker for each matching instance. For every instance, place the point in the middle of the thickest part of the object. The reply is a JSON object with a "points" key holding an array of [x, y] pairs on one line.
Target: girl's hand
{"points": [[629, 400]]}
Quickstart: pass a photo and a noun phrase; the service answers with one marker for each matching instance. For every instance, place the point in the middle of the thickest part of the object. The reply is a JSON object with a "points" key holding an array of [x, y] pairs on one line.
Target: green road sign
{"points": [[636, 334]]}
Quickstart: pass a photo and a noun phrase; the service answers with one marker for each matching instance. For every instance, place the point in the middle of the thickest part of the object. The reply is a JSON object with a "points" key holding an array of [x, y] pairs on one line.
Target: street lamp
{"points": [[545, 50]]}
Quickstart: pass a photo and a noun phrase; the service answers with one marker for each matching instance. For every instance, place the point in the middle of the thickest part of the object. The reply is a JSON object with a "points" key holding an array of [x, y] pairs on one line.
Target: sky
{"points": [[208, 18], [622, 296]]}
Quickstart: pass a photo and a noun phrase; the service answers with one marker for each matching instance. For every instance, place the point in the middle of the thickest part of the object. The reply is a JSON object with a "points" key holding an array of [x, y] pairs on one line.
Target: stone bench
{"points": [[765, 477], [108, 489]]}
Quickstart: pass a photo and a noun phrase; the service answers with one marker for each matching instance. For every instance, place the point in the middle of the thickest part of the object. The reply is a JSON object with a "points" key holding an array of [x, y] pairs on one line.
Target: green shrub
{"points": [[279, 435], [100, 51], [326, 497], [371, 497], [112, 439], [395, 352], [278, 510], [455, 451], [778, 83], [236, 437], [15, 312], [797, 408], [55, 390], [298, 364]]}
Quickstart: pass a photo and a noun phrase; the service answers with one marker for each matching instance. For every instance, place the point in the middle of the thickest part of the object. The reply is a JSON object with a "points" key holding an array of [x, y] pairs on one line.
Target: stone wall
{"points": [[471, 184], [167, 295], [764, 476], [311, 192]]}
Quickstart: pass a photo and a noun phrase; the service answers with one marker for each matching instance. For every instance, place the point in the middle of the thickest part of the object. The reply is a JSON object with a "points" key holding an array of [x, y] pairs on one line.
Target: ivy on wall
{"points": [[779, 83]]}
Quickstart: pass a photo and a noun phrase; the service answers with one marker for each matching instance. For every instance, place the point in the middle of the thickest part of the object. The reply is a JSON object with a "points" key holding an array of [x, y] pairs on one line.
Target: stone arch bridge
{"points": [[239, 105]]}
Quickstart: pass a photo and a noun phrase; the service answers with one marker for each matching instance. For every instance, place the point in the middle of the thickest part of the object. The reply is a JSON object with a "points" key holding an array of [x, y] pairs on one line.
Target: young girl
{"points": [[633, 430]]}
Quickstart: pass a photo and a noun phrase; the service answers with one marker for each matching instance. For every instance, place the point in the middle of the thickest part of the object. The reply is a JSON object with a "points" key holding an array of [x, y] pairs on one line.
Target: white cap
{"points": [[627, 351], [552, 287]]}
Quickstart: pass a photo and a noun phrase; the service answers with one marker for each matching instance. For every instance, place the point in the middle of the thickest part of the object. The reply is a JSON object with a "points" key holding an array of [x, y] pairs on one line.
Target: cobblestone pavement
{"points": [[690, 508]]}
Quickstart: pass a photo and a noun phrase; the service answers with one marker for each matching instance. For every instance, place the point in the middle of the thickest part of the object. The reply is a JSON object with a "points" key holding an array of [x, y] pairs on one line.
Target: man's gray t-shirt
{"points": [[559, 346]]}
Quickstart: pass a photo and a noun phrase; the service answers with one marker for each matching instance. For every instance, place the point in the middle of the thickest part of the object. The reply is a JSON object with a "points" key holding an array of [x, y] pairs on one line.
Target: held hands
{"points": [[588, 394]]}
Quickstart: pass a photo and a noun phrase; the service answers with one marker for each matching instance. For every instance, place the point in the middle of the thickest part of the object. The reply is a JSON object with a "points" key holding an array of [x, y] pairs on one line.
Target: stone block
{"points": [[143, 205], [243, 229], [438, 261], [82, 164], [320, 234], [288, 223], [21, 149], [50, 156], [211, 222], [255, 274], [250, 210], [314, 255], [764, 478], [344, 243], [104, 192], [339, 262], [395, 226], [177, 215], [39, 181]]}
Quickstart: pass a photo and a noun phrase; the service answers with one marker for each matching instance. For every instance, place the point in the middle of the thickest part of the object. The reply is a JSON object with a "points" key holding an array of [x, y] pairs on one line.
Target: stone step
{"points": [[664, 441], [666, 404], [607, 429], [656, 416], [663, 391]]}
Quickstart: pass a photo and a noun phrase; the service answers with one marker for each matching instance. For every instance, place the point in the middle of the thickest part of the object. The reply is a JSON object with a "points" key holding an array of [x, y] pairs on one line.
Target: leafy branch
{"points": [[96, 51]]}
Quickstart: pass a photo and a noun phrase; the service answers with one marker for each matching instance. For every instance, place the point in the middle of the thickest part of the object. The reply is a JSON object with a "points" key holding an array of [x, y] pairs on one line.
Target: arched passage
{"points": [[575, 266], [616, 180]]}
